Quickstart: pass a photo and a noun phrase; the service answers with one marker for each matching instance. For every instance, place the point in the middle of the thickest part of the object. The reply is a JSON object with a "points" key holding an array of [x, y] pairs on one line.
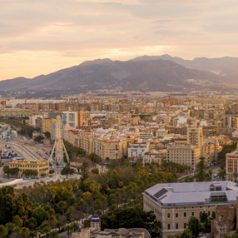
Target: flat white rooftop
{"points": [[194, 193]]}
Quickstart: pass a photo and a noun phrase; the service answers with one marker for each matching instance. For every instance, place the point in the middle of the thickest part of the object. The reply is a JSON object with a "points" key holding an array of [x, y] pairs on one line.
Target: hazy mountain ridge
{"points": [[224, 66], [143, 73]]}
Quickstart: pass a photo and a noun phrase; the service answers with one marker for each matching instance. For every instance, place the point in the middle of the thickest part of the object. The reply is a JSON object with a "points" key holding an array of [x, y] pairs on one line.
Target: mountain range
{"points": [[162, 73]]}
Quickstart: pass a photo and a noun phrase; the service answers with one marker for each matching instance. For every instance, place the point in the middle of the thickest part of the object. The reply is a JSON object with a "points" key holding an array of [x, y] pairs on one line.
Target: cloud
{"points": [[65, 32]]}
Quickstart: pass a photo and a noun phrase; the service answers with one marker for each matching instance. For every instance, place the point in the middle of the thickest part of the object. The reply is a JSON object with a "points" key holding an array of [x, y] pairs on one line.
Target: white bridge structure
{"points": [[59, 154]]}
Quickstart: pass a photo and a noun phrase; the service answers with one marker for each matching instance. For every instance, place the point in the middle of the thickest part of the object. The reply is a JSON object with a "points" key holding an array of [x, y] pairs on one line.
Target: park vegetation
{"points": [[49, 206]]}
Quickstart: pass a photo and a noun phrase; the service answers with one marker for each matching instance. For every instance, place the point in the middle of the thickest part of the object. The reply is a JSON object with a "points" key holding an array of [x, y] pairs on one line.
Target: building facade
{"points": [[174, 204], [184, 154], [39, 166], [232, 166]]}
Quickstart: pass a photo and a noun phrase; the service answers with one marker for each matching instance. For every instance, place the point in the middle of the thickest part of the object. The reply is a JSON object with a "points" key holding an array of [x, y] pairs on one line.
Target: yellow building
{"points": [[83, 118], [40, 166], [48, 124]]}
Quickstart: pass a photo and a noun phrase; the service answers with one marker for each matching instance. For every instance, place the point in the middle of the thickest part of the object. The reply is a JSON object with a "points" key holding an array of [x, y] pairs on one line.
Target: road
{"points": [[23, 150], [21, 183]]}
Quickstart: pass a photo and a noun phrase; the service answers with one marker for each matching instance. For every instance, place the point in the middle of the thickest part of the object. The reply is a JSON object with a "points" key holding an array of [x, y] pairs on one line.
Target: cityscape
{"points": [[118, 119], [170, 158]]}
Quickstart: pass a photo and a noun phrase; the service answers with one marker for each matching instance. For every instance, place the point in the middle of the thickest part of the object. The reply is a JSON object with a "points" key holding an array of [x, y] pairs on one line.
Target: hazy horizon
{"points": [[40, 37]]}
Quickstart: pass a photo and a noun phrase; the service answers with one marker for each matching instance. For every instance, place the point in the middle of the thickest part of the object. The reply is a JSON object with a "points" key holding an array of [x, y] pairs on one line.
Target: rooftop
{"points": [[194, 193]]}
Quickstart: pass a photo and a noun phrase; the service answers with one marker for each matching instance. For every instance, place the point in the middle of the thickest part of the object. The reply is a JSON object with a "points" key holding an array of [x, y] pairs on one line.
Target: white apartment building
{"points": [[70, 119], [138, 150]]}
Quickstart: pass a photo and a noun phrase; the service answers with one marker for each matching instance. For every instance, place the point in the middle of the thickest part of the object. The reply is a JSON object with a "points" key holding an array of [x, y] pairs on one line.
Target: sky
{"points": [[42, 36]]}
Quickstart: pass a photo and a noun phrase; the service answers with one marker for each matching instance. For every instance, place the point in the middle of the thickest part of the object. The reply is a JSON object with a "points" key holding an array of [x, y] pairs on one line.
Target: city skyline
{"points": [[43, 36]]}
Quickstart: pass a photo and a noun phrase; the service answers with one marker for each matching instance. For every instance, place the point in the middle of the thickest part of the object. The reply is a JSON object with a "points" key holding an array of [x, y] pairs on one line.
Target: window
{"points": [[185, 225], [176, 226], [184, 214], [192, 213], [176, 215], [168, 215], [168, 226]]}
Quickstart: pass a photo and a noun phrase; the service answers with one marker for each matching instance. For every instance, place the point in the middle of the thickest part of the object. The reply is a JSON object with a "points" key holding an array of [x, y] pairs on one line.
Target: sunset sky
{"points": [[41, 36]]}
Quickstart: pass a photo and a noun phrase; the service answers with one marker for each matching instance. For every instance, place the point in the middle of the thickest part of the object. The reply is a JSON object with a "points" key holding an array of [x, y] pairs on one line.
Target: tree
{"points": [[205, 222], [193, 226], [23, 233], [222, 174], [131, 218], [40, 214], [17, 221], [226, 149], [3, 231], [30, 173], [84, 170], [67, 170], [39, 139], [201, 174], [186, 234], [95, 158], [11, 171], [6, 170], [47, 134]]}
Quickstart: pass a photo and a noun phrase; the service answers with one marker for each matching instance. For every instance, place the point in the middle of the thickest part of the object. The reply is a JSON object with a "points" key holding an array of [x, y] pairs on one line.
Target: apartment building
{"points": [[184, 153], [232, 166], [195, 136], [110, 148], [106, 147], [76, 119], [40, 166], [175, 203], [138, 150]]}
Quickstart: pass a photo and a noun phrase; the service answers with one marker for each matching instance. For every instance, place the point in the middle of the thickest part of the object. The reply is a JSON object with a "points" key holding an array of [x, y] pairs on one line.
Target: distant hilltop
{"points": [[157, 73]]}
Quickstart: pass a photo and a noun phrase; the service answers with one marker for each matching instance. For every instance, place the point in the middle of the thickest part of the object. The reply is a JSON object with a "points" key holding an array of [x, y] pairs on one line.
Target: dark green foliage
{"points": [[47, 134], [39, 139], [193, 226], [30, 173], [95, 158], [201, 174], [187, 234], [196, 226], [226, 149], [205, 222], [174, 167], [131, 217], [12, 172], [67, 170], [74, 151]]}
